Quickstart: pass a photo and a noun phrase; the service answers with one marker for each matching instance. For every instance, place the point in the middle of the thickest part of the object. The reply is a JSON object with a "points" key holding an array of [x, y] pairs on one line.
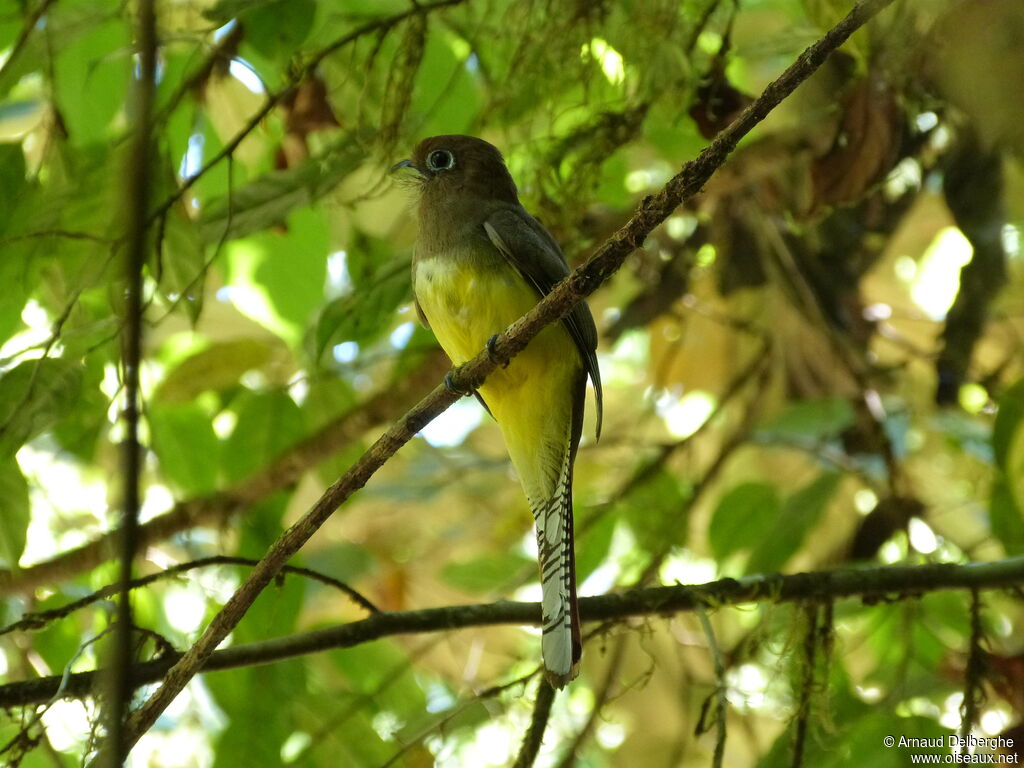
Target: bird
{"points": [[480, 262]]}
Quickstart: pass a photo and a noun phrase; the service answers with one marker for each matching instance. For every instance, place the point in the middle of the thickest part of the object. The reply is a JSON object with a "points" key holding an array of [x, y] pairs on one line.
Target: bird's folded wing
{"points": [[533, 252]]}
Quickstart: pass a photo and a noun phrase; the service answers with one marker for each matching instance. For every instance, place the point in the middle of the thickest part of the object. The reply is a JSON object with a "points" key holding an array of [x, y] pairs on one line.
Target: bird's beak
{"points": [[406, 171]]}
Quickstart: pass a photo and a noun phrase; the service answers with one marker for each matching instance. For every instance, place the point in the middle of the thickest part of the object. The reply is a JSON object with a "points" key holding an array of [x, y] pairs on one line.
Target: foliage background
{"points": [[816, 362]]}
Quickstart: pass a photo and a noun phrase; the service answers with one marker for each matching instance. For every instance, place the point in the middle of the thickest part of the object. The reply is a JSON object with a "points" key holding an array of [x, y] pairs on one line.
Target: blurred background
{"points": [[814, 363]]}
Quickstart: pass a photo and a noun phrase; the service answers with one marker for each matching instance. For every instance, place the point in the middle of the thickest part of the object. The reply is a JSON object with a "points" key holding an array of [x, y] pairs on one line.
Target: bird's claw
{"points": [[494, 355], [451, 386]]}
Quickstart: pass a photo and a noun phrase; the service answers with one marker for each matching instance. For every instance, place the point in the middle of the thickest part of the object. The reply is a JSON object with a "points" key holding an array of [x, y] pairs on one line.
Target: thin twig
{"points": [[40, 619], [804, 695], [720, 701], [601, 696], [972, 675], [538, 724]]}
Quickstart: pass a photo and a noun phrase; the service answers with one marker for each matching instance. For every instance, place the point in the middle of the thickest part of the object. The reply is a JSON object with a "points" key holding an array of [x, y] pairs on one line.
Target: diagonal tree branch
{"points": [[581, 283], [869, 584], [535, 734], [216, 509]]}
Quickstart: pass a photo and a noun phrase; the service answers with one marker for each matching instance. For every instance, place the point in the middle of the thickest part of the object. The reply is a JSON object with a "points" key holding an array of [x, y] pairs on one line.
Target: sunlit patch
{"points": [[439, 698], [994, 721], [157, 501], [938, 276], [58, 487], [68, 725], [244, 73], [709, 42], [865, 500], [608, 58], [680, 227], [35, 316], [338, 280], [297, 743], [922, 537], [892, 551], [386, 724], [452, 426], [224, 423], [683, 567], [345, 352], [905, 177], [460, 47], [746, 686], [869, 693], [905, 269], [298, 387], [925, 121], [950, 715], [184, 747], [610, 735], [248, 292], [192, 160], [401, 335], [184, 608], [1011, 240], [686, 415], [875, 312], [919, 706], [706, 256], [973, 397]]}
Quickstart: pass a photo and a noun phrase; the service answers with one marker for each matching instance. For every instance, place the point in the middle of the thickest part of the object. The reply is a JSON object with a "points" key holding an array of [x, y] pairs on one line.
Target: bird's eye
{"points": [[440, 160]]}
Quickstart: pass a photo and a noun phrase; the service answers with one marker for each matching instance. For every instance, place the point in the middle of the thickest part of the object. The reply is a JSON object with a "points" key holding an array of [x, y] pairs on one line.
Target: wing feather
{"points": [[528, 247]]}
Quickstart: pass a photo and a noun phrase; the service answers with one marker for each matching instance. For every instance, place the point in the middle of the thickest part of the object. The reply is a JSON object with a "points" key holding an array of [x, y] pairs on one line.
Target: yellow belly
{"points": [[531, 399]]}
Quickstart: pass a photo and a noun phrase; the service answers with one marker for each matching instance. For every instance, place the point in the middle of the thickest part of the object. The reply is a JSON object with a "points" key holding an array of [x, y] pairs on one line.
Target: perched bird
{"points": [[481, 262]]}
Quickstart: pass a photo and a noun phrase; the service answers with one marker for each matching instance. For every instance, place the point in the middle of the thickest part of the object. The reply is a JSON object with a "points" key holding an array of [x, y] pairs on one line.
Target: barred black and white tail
{"points": [[561, 646]]}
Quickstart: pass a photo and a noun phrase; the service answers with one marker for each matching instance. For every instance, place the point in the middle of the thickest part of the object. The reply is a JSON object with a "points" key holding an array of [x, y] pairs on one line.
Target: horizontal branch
{"points": [[870, 584]]}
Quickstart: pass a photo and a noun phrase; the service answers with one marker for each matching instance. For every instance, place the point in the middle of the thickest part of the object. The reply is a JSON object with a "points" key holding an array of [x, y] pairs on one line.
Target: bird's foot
{"points": [[494, 355], [451, 386]]}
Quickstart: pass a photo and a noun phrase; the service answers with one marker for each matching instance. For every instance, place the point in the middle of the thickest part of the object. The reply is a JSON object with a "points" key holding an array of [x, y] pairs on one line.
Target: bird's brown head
{"points": [[453, 170]]}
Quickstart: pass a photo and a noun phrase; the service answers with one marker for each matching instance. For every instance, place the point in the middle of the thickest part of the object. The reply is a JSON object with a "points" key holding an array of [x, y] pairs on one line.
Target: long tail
{"points": [[561, 645]]}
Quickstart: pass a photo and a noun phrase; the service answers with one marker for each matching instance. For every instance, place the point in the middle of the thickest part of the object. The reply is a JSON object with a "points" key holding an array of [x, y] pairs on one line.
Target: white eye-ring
{"points": [[440, 160]]}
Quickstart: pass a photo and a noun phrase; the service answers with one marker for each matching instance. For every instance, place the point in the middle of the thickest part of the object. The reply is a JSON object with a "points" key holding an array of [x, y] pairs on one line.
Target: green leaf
{"points": [[268, 422], [182, 263], [363, 315], [593, 543], [493, 574], [282, 276], [656, 511], [1008, 423], [1005, 517], [91, 80], [268, 200], [743, 518], [34, 396], [799, 514], [808, 420], [15, 512], [215, 368], [277, 29], [186, 445]]}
